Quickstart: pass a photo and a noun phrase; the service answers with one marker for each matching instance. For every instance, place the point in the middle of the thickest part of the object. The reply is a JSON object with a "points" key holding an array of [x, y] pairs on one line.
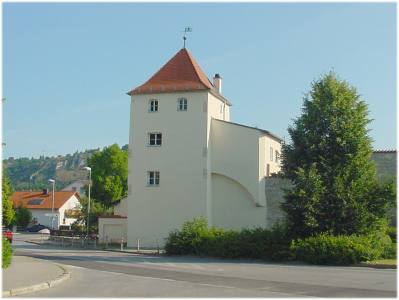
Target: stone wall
{"points": [[274, 197]]}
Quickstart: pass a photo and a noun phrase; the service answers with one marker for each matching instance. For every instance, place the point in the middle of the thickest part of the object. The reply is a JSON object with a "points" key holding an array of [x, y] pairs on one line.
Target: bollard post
{"points": [[62, 242], [72, 242], [138, 245], [95, 242], [121, 244], [106, 241], [157, 246]]}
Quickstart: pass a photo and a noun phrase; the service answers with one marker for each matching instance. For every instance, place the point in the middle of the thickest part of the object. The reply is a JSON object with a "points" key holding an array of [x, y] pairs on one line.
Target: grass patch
{"points": [[388, 261]]}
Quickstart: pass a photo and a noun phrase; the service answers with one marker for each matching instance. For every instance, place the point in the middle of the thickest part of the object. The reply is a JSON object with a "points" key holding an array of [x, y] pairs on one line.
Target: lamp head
{"points": [[87, 168], [51, 180]]}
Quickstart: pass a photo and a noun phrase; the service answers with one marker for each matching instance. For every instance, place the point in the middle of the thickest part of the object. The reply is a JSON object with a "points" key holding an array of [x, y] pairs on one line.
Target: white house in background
{"points": [[187, 159], [66, 205], [77, 186]]}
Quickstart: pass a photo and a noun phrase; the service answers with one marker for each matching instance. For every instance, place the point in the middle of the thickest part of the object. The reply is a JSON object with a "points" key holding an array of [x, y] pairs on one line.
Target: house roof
{"points": [[180, 73], [25, 199]]}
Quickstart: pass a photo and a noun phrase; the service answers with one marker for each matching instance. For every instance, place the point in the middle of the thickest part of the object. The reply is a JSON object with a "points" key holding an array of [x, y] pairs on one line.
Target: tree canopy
{"points": [[109, 174], [8, 210], [329, 161]]}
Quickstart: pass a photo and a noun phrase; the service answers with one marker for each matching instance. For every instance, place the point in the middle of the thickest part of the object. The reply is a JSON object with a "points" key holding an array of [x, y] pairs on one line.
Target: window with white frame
{"points": [[153, 105], [153, 178], [182, 104], [271, 153], [155, 139]]}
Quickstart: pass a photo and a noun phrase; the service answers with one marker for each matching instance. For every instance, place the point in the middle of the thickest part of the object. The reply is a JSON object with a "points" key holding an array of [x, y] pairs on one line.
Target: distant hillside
{"points": [[33, 173]]}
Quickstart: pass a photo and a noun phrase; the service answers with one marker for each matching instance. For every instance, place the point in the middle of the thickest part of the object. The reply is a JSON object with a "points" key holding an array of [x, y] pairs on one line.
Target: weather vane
{"points": [[187, 29]]}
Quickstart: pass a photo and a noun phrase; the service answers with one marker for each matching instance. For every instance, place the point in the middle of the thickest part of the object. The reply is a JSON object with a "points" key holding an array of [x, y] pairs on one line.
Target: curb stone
{"points": [[40, 286]]}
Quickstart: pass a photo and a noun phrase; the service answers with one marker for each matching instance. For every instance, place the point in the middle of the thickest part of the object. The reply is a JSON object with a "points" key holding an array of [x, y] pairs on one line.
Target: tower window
{"points": [[153, 106], [153, 178], [155, 139], [182, 104]]}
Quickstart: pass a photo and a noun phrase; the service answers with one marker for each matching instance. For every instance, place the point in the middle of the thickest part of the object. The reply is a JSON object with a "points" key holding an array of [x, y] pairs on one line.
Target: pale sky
{"points": [[67, 67]]}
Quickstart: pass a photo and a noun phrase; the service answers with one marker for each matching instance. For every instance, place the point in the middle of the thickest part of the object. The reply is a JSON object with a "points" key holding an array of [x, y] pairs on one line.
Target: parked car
{"points": [[8, 234], [37, 228]]}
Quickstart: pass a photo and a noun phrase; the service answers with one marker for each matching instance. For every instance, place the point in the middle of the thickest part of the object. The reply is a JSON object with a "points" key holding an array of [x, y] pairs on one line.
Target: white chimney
{"points": [[217, 82]]}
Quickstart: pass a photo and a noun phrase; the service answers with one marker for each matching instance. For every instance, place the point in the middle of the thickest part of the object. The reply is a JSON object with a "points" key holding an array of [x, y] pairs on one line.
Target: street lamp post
{"points": [[88, 205], [52, 207]]}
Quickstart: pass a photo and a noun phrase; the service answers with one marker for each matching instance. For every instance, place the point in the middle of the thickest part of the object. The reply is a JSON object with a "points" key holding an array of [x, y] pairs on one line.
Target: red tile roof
{"points": [[180, 73], [22, 198]]}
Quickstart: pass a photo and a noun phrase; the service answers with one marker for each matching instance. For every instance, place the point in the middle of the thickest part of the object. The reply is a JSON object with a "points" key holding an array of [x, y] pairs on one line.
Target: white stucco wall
{"points": [[120, 209], [41, 218], [154, 211], [72, 203], [112, 230], [233, 206], [235, 154]]}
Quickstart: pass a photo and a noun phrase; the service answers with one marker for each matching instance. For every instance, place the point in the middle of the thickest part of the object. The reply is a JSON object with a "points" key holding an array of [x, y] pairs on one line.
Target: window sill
{"points": [[153, 145]]}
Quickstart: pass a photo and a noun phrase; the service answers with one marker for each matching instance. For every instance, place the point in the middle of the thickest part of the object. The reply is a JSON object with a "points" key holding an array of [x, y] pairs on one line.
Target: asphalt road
{"points": [[113, 274]]}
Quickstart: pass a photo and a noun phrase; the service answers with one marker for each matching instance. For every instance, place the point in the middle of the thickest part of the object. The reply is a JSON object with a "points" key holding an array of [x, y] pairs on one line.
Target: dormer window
{"points": [[153, 105], [182, 104]]}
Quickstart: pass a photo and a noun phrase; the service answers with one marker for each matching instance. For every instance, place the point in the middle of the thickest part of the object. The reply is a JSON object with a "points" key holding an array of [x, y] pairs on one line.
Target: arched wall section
{"points": [[233, 207]]}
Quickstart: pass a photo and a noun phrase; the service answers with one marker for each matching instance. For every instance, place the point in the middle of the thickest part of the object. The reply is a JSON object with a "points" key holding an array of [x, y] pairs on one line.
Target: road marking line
{"points": [[218, 286]]}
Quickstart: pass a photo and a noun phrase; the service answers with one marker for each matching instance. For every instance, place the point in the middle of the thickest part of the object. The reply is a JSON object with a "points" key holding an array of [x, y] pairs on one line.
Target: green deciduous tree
{"points": [[23, 216], [109, 174], [329, 161], [96, 210], [8, 209]]}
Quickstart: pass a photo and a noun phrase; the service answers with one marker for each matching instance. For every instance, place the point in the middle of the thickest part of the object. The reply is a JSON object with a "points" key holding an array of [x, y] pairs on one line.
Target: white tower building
{"points": [[186, 159]]}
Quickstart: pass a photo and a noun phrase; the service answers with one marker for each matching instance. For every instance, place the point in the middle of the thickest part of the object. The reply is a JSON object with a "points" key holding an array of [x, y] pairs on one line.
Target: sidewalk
{"points": [[26, 275]]}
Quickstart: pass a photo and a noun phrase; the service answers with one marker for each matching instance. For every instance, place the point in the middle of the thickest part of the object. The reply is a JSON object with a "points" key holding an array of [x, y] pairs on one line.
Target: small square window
{"points": [[155, 139], [153, 178], [182, 104], [153, 106]]}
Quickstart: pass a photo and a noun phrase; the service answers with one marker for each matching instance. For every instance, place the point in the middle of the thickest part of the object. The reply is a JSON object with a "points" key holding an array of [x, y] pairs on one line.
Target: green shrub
{"points": [[391, 231], [7, 253], [341, 250], [390, 252], [196, 238]]}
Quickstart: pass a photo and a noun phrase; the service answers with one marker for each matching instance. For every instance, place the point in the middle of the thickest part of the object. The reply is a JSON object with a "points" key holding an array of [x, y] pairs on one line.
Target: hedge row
{"points": [[195, 238], [7, 253], [341, 250]]}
